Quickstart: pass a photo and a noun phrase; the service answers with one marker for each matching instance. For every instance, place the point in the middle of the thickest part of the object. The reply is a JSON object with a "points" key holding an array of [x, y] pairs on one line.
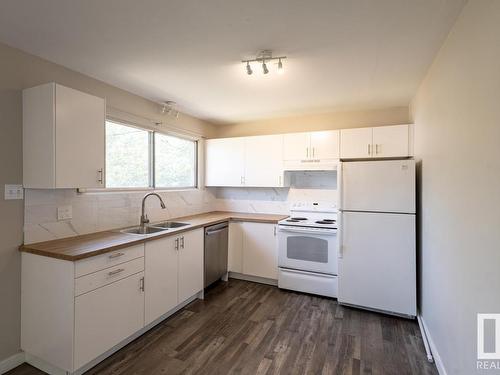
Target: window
{"points": [[175, 162], [138, 158]]}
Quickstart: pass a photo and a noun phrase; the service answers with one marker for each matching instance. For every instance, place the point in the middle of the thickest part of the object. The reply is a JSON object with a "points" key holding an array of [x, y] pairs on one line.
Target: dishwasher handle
{"points": [[214, 229], [209, 232]]}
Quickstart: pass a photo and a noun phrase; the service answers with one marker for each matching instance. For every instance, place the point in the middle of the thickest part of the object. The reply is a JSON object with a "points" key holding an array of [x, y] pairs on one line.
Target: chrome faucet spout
{"points": [[144, 217]]}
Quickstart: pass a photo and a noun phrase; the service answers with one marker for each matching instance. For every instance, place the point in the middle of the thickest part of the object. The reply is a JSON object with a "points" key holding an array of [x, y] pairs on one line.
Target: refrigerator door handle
{"points": [[339, 184], [339, 236]]}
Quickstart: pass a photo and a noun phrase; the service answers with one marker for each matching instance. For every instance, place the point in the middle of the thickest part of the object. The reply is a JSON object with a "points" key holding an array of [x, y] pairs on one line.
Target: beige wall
{"points": [[19, 70], [457, 135], [326, 121]]}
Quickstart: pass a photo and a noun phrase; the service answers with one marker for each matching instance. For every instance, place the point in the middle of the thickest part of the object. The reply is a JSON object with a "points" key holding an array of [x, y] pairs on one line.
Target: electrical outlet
{"points": [[64, 212], [13, 192]]}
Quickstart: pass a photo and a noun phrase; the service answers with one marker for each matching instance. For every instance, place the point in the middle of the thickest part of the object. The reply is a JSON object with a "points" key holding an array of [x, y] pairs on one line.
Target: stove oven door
{"points": [[307, 249]]}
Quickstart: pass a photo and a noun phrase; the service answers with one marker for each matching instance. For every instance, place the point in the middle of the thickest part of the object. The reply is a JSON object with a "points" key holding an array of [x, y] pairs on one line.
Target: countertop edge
{"points": [[230, 216]]}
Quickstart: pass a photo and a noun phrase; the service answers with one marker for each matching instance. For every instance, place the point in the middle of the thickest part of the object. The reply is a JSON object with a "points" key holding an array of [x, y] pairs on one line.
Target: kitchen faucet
{"points": [[144, 217]]}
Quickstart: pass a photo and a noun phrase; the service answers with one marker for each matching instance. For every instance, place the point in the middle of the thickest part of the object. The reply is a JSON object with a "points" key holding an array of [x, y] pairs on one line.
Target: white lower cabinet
{"points": [[73, 313], [253, 249], [106, 316], [190, 269], [161, 278], [260, 255], [235, 247], [174, 272]]}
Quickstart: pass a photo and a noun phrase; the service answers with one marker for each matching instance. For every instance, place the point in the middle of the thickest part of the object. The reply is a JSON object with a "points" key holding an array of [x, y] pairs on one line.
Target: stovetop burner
{"points": [[298, 218], [293, 221], [326, 221], [329, 220]]}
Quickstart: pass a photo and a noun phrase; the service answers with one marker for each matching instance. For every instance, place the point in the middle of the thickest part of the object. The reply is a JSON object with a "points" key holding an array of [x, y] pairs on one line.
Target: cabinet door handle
{"points": [[142, 284], [242, 180], [116, 255], [377, 147], [182, 242], [369, 149], [307, 152], [279, 181], [116, 272], [313, 152], [100, 175], [177, 244]]}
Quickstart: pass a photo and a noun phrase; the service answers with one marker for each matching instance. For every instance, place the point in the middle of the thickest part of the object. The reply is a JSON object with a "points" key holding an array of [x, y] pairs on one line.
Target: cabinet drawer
{"points": [[100, 262], [107, 276]]}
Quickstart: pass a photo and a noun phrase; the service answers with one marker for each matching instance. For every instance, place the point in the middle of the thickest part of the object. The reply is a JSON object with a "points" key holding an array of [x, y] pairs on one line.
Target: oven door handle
{"points": [[329, 232]]}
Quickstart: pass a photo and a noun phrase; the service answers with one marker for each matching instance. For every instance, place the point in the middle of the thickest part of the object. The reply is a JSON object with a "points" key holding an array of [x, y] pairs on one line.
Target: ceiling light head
{"points": [[169, 108], [264, 68], [249, 69], [280, 67]]}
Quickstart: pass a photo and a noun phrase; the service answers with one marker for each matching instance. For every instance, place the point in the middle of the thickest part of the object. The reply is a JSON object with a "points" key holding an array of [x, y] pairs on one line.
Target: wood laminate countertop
{"points": [[88, 245]]}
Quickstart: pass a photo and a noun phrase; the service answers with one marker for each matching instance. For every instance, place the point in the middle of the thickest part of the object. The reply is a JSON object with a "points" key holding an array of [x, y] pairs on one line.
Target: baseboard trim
{"points": [[255, 279], [44, 366], [11, 362], [435, 354]]}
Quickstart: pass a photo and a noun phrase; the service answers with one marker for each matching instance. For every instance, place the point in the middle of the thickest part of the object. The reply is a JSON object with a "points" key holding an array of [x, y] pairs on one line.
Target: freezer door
{"points": [[381, 186], [377, 262]]}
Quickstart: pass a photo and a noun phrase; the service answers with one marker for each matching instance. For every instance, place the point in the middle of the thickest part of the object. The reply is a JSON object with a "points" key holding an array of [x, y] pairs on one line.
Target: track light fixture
{"points": [[263, 58]]}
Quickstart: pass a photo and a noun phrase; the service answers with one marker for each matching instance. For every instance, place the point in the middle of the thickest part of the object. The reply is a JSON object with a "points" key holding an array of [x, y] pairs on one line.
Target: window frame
{"points": [[153, 156], [151, 161]]}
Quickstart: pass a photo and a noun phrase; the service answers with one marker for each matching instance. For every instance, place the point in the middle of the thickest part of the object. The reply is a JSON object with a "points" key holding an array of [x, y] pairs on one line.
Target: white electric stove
{"points": [[307, 249]]}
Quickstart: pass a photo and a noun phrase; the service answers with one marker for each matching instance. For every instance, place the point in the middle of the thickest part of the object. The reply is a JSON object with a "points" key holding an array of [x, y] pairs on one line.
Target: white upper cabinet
{"points": [[325, 144], [390, 141], [245, 161], [264, 161], [313, 145], [63, 138], [378, 142], [225, 162], [296, 146], [356, 143]]}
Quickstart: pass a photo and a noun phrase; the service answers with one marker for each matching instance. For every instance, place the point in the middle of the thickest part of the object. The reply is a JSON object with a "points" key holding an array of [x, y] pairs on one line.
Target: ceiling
{"points": [[342, 54]]}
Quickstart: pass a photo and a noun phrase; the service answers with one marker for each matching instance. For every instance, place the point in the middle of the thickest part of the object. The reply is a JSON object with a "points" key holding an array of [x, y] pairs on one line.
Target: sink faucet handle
{"points": [[144, 219]]}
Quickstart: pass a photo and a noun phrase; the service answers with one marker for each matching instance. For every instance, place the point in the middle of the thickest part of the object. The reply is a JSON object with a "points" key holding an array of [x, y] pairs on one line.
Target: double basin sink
{"points": [[154, 228]]}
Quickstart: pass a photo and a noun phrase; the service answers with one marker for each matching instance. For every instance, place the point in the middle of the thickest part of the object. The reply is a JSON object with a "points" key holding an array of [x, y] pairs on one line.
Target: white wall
{"points": [[457, 133]]}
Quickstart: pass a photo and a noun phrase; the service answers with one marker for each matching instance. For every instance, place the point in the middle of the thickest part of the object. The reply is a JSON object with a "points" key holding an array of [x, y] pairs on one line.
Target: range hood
{"points": [[311, 165]]}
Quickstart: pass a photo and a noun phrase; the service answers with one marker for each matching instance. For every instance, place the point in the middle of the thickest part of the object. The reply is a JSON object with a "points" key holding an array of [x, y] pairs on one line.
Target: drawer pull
{"points": [[116, 255], [116, 272]]}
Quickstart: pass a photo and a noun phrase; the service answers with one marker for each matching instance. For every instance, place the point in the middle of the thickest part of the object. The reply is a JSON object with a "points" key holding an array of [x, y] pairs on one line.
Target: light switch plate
{"points": [[64, 212], [13, 192]]}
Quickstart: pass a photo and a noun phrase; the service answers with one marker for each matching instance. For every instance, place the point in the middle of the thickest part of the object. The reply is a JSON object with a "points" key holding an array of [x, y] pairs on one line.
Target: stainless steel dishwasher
{"points": [[216, 241]]}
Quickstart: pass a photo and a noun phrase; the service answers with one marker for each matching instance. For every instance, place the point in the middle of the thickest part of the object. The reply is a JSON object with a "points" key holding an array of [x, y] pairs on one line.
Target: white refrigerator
{"points": [[377, 250]]}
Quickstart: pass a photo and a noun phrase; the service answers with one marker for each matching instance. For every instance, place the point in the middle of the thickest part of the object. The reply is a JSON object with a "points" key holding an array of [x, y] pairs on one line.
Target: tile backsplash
{"points": [[304, 186], [93, 212]]}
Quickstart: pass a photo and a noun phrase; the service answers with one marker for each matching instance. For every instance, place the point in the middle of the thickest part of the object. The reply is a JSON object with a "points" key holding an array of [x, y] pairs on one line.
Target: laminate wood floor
{"points": [[248, 328]]}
